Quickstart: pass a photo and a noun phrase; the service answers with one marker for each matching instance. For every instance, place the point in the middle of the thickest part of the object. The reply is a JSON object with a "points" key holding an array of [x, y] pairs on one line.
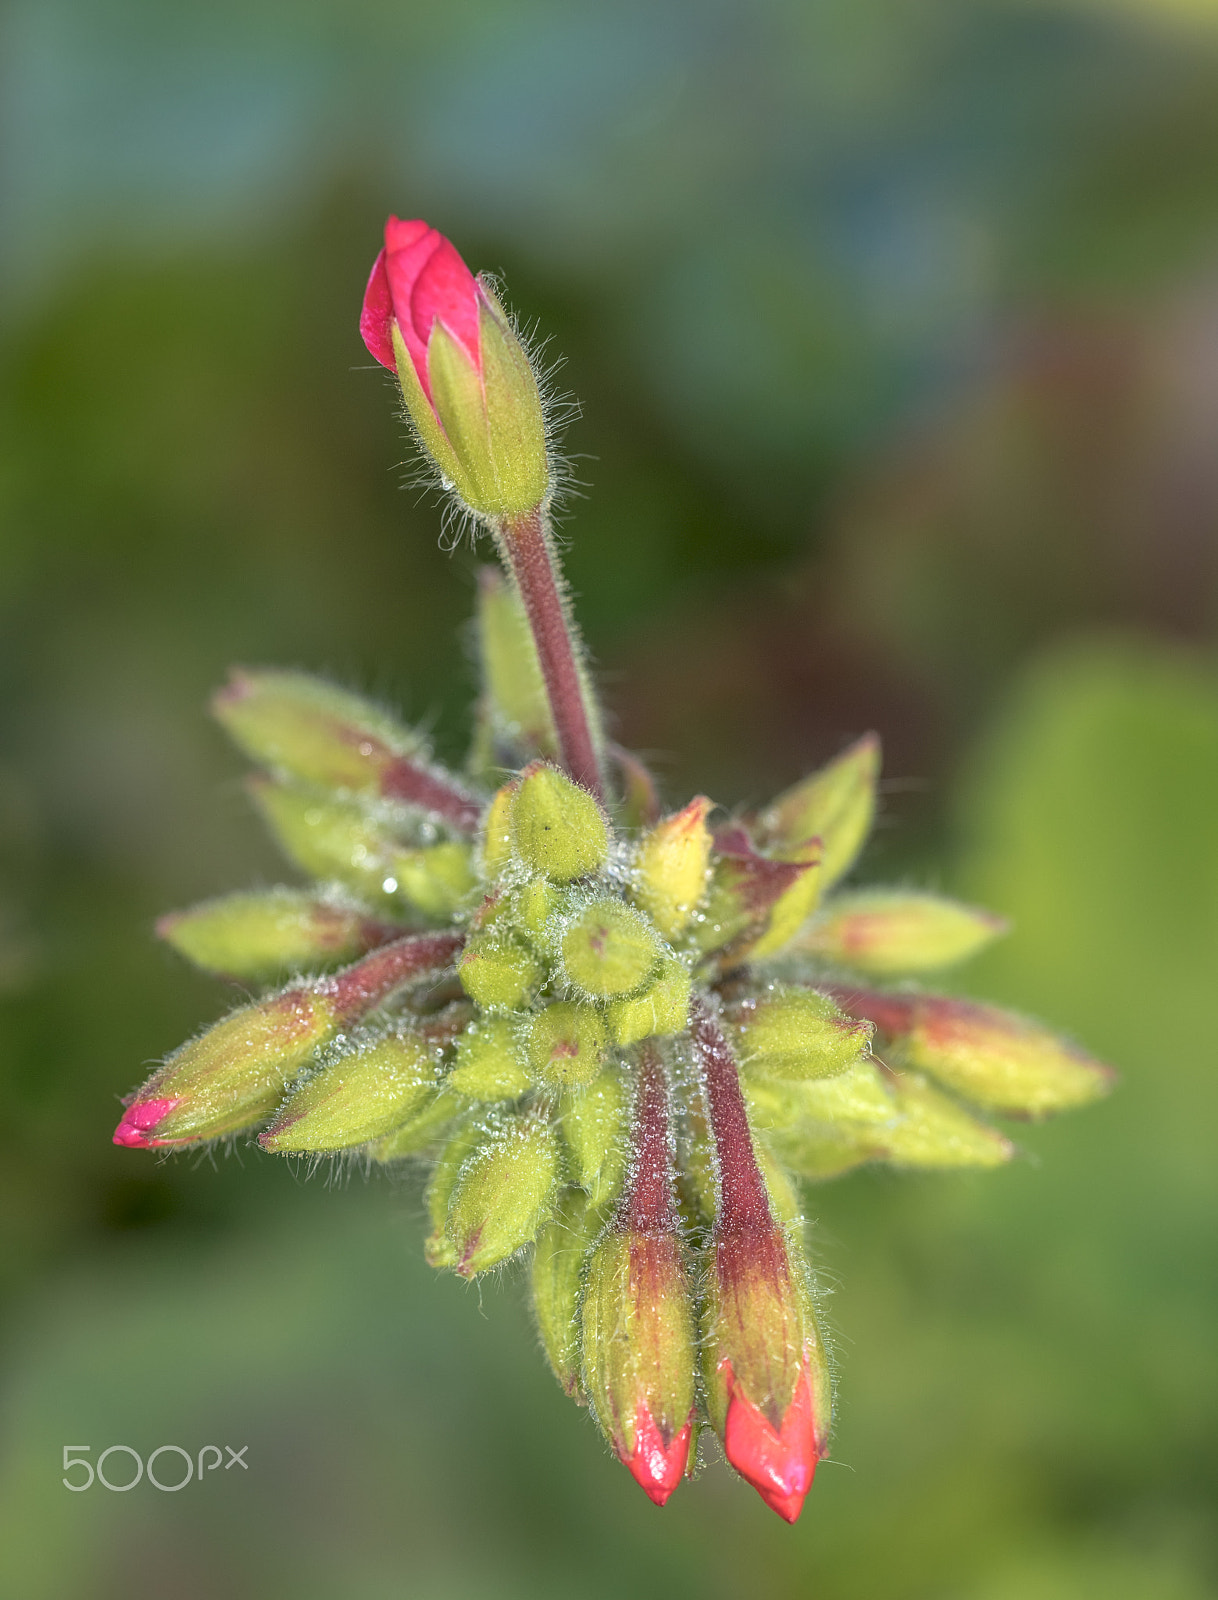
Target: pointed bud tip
{"points": [[139, 1120], [780, 1463], [657, 1467]]}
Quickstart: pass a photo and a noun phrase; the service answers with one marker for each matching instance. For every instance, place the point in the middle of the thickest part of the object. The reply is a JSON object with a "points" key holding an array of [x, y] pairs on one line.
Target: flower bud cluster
{"points": [[612, 1036]]}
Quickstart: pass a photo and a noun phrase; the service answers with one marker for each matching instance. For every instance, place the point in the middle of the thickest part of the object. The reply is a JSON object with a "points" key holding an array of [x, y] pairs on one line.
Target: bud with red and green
{"points": [[637, 1319], [469, 389]]}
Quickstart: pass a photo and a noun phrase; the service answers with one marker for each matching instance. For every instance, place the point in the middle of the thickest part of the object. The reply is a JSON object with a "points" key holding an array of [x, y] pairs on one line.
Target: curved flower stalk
{"points": [[614, 1036]]}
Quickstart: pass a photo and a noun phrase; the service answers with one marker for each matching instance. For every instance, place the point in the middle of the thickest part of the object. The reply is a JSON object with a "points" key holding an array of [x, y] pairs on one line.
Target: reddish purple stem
{"points": [[527, 549], [358, 989], [404, 779], [648, 1205], [743, 1200]]}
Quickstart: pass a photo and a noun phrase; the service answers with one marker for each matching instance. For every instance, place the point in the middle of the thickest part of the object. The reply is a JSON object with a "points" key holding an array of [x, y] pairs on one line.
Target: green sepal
{"points": [[503, 1192], [835, 805], [890, 931], [490, 1064], [609, 949], [593, 1122], [558, 829], [499, 971], [312, 731], [421, 1130], [662, 1008], [342, 841], [266, 934], [794, 1032], [556, 1280], [565, 1043], [362, 1095]]}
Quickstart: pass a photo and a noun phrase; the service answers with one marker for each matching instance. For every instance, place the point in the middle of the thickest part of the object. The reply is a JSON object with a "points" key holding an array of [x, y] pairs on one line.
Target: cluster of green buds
{"points": [[614, 1037]]}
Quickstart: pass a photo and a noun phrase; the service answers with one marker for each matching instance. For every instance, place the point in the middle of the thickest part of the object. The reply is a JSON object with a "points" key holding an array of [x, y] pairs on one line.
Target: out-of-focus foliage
{"points": [[894, 328]]}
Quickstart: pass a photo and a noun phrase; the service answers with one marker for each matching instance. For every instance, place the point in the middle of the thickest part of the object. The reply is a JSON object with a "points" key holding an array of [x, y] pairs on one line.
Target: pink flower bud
{"points": [[139, 1120], [780, 1462], [466, 380], [419, 279]]}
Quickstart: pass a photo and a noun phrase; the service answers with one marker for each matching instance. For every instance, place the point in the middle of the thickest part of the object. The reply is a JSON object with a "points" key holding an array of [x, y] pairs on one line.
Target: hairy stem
{"points": [[525, 545], [743, 1200], [647, 1206]]}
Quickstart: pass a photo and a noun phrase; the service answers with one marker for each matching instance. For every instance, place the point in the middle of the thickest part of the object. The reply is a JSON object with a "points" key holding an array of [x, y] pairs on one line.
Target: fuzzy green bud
{"points": [[261, 935], [609, 949], [503, 1192], [797, 1033], [638, 1352], [671, 867], [338, 839], [489, 1062], [233, 1075], [312, 731], [515, 694], [556, 1280], [499, 971], [823, 1127], [992, 1057], [558, 828], [889, 932], [564, 1043], [427, 1124], [361, 1096], [935, 1131], [662, 1008], [593, 1122], [835, 805]]}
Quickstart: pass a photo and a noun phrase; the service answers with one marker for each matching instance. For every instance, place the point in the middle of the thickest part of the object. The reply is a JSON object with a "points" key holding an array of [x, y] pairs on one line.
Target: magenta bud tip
{"points": [[780, 1463], [139, 1120], [657, 1467]]}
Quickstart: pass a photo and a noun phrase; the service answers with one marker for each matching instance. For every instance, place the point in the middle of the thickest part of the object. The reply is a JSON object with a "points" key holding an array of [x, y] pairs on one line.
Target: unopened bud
{"points": [[557, 827], [489, 1064], [565, 1043], [361, 1096], [497, 831], [231, 1076], [662, 1007], [835, 805], [764, 1364], [515, 693], [593, 1127], [503, 1192], [797, 1033], [563, 1245], [316, 734], [499, 971], [608, 949], [638, 1353], [466, 380], [794, 905], [312, 730], [338, 839], [992, 1057], [258, 936], [671, 867], [745, 888], [422, 1129], [935, 1131], [823, 1127], [891, 932]]}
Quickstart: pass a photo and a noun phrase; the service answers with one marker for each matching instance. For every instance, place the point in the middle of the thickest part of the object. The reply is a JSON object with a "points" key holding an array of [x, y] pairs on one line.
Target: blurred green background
{"points": [[896, 332]]}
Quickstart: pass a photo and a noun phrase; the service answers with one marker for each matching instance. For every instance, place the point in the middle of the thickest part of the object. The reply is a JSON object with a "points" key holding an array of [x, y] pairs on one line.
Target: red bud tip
{"points": [[138, 1122], [780, 1464], [657, 1468]]}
